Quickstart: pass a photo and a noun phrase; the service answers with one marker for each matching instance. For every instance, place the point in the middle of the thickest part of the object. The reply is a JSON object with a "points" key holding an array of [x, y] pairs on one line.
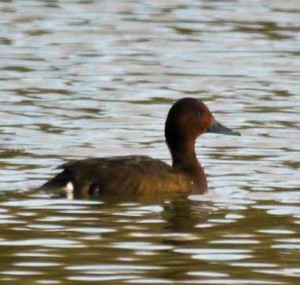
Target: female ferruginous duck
{"points": [[187, 119]]}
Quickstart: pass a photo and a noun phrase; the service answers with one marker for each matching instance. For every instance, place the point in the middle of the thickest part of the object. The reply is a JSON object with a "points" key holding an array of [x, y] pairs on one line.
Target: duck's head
{"points": [[187, 119]]}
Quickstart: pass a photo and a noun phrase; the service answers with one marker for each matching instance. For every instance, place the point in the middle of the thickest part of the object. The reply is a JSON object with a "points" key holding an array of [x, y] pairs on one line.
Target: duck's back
{"points": [[119, 175]]}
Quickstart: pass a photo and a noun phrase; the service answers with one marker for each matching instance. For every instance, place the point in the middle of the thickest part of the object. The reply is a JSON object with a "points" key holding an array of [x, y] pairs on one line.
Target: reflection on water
{"points": [[96, 78], [57, 241]]}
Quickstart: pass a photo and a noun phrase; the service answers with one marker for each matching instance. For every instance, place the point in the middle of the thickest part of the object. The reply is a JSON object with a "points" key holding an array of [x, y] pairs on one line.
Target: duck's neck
{"points": [[183, 154], [185, 161]]}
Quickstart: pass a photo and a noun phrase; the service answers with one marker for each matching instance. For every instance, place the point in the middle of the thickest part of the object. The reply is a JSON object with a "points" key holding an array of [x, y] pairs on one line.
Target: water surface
{"points": [[96, 78]]}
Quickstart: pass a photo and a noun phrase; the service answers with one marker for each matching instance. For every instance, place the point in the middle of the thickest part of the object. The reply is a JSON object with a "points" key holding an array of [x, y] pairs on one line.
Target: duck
{"points": [[135, 175]]}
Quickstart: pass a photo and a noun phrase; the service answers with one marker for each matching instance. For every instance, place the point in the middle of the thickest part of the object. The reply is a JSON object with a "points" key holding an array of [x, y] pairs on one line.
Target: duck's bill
{"points": [[218, 128]]}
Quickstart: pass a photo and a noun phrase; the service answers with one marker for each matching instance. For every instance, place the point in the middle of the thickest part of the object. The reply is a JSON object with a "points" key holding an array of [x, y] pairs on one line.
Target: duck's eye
{"points": [[197, 114]]}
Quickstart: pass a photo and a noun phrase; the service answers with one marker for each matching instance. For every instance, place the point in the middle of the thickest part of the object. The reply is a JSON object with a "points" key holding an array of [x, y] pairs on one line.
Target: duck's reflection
{"points": [[178, 213], [182, 216]]}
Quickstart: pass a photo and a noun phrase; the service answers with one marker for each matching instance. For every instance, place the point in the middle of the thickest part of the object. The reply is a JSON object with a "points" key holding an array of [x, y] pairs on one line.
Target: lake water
{"points": [[96, 78]]}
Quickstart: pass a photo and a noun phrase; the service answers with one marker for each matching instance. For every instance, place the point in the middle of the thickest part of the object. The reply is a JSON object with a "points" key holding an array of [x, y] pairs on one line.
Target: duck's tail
{"points": [[60, 185], [57, 182]]}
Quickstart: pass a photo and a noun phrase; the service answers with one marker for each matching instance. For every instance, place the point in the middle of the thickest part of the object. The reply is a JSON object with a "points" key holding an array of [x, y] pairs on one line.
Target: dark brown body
{"points": [[141, 175]]}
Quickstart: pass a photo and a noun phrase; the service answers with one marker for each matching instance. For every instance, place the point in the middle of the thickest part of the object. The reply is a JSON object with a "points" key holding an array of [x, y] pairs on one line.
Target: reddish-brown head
{"points": [[187, 119]]}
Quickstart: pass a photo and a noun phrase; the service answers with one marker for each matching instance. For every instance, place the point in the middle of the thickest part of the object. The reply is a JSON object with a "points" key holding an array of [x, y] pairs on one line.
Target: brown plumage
{"points": [[141, 175]]}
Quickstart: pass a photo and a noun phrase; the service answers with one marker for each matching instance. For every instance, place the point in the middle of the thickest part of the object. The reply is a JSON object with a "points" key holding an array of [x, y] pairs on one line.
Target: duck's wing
{"points": [[118, 176]]}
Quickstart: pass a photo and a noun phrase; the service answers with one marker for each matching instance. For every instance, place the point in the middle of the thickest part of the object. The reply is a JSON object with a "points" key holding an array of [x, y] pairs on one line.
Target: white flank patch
{"points": [[69, 189]]}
